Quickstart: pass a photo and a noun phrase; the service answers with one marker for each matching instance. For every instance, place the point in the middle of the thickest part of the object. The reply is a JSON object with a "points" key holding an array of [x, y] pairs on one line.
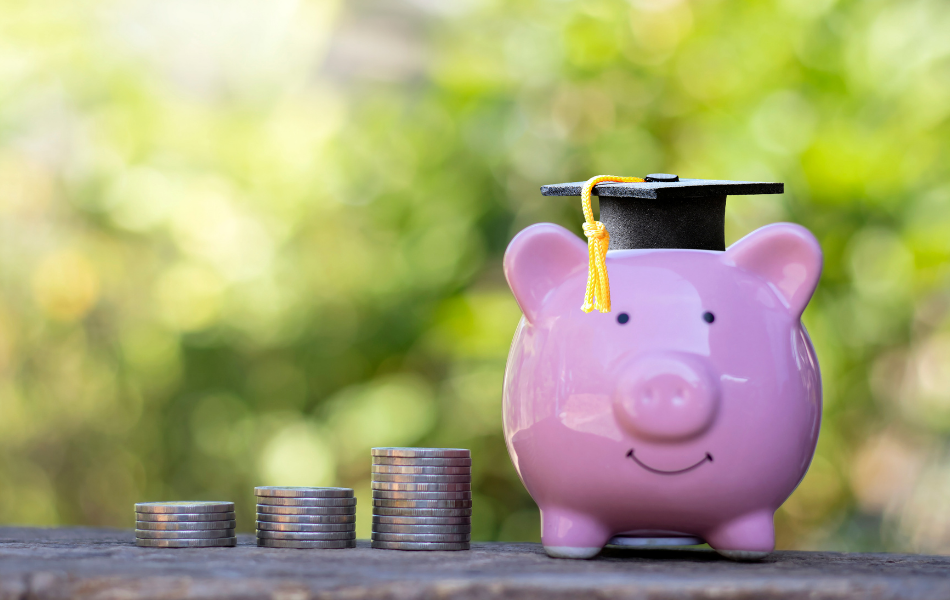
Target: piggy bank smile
{"points": [[632, 456]]}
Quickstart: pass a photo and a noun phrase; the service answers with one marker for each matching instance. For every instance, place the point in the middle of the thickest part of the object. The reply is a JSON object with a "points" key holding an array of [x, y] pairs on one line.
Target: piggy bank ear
{"points": [[787, 256], [538, 260]]}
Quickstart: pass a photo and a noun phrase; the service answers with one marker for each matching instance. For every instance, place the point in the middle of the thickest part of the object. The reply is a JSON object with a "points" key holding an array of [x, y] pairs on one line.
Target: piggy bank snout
{"points": [[666, 397]]}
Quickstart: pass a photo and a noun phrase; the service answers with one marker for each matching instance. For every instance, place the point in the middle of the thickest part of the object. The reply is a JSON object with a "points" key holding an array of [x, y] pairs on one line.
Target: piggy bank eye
{"points": [[709, 317], [622, 318]]}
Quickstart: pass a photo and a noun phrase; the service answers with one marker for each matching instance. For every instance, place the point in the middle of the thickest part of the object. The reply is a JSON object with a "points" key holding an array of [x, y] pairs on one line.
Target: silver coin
{"points": [[151, 534], [422, 452], [380, 545], [184, 507], [307, 545], [389, 520], [441, 538], [405, 495], [416, 504], [421, 487], [401, 511], [303, 492], [184, 517], [187, 543], [404, 470], [307, 519], [305, 510], [175, 526], [315, 502], [413, 478], [421, 462], [317, 528], [306, 535], [389, 528]]}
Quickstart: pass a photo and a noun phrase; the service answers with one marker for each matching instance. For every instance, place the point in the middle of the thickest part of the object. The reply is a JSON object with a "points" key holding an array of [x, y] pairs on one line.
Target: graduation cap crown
{"points": [[658, 211]]}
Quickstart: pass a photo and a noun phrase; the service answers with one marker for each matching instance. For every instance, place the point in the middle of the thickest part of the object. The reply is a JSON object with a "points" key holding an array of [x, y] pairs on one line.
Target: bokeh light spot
{"points": [[298, 454], [66, 285]]}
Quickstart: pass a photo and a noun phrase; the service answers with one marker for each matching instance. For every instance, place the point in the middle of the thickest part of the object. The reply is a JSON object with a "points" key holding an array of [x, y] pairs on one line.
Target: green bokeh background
{"points": [[242, 241]]}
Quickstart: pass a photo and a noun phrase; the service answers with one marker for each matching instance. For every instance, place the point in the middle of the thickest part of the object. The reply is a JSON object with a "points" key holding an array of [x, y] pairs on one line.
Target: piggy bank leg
{"points": [[569, 534], [749, 537]]}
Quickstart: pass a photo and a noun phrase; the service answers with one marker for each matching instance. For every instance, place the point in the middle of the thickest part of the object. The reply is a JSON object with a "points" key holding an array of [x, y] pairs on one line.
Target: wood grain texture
{"points": [[105, 564]]}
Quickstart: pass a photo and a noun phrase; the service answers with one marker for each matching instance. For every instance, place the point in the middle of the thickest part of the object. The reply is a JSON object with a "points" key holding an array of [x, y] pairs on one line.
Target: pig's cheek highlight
{"points": [[591, 413]]}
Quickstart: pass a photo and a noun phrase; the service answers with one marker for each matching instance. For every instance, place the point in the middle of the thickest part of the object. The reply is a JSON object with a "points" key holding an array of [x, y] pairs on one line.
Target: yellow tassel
{"points": [[598, 239]]}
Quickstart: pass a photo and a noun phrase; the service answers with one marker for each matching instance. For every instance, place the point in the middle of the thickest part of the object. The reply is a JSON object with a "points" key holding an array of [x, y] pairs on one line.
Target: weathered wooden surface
{"points": [[98, 563]]}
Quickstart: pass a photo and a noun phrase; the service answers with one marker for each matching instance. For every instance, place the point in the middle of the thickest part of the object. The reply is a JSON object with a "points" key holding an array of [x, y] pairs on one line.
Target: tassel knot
{"points": [[596, 230]]}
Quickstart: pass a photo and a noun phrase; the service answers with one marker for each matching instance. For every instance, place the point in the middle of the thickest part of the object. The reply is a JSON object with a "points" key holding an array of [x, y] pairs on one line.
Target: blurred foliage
{"points": [[242, 242]]}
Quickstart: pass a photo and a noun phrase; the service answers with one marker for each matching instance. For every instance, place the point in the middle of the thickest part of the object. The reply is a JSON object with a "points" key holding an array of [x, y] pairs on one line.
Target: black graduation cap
{"points": [[665, 211]]}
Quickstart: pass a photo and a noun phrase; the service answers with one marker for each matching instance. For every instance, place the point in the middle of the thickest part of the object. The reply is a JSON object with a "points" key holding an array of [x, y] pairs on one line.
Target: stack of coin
{"points": [[184, 524], [422, 498], [306, 517]]}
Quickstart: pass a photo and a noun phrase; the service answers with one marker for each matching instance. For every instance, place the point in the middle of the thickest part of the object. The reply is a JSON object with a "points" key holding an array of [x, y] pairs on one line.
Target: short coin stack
{"points": [[184, 524], [306, 517], [422, 498]]}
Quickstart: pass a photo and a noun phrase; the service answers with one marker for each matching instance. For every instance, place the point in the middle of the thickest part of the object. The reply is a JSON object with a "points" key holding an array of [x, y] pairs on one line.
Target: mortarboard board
{"points": [[665, 211]]}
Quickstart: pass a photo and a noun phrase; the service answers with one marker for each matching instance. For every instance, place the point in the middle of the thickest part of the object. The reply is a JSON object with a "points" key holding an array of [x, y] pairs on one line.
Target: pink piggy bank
{"points": [[689, 413]]}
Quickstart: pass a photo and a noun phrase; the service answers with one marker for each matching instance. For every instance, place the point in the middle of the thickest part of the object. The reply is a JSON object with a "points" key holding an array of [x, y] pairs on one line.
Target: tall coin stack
{"points": [[184, 524], [422, 498], [306, 517]]}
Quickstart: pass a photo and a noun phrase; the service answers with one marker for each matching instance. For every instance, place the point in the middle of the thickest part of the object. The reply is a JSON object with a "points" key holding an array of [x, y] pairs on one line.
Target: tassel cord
{"points": [[597, 296]]}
